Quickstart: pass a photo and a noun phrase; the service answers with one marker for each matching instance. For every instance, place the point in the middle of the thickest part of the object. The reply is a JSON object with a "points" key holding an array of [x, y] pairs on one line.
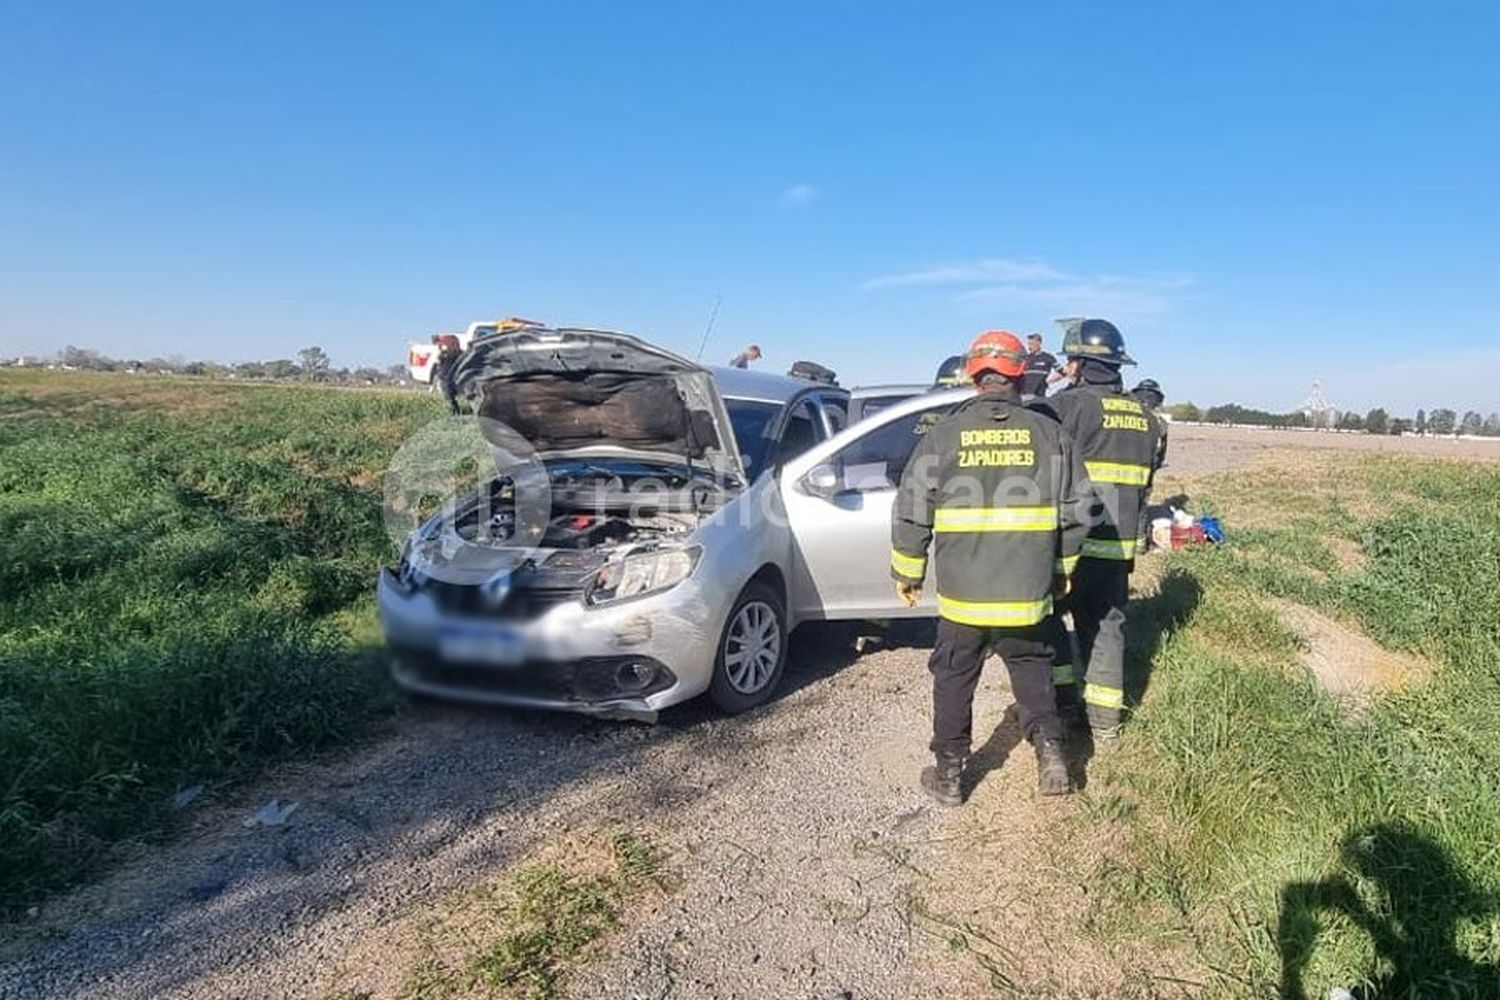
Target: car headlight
{"points": [[410, 572], [643, 573]]}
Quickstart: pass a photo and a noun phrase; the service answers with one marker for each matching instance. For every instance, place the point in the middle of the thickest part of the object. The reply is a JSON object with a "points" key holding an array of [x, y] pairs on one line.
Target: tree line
{"points": [[311, 365], [1440, 421]]}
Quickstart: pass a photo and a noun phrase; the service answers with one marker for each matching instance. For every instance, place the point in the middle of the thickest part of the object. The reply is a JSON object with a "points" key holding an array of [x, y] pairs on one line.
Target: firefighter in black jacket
{"points": [[1119, 441], [991, 487]]}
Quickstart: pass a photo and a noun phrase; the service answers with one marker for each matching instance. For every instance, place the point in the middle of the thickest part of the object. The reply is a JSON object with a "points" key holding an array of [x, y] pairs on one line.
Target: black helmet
{"points": [[1149, 392], [951, 372], [1094, 338]]}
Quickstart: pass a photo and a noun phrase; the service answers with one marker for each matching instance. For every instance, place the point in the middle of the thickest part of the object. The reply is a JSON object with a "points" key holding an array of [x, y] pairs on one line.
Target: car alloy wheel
{"points": [[752, 647]]}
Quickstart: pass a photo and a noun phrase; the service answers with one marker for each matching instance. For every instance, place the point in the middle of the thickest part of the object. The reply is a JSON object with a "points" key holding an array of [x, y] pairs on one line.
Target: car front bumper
{"points": [[567, 658]]}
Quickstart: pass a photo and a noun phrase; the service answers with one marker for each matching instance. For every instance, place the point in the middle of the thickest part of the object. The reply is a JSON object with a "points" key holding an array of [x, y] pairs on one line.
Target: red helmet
{"points": [[997, 351]]}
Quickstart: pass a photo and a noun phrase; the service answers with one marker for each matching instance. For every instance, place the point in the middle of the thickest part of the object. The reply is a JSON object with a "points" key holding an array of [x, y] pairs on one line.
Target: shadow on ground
{"points": [[994, 752], [1150, 621], [1404, 890]]}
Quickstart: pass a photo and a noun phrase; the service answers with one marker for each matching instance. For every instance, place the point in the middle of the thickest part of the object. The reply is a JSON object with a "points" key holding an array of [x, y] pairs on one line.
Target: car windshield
{"points": [[752, 420]]}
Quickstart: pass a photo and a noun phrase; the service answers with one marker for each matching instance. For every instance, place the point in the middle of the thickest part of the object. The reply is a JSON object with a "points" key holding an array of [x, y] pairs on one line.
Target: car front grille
{"points": [[584, 681], [550, 681], [518, 605]]}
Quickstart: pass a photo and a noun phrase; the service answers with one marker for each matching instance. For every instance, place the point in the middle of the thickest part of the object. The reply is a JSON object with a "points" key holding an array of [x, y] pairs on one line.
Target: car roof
{"points": [[909, 405], [741, 383], [894, 389]]}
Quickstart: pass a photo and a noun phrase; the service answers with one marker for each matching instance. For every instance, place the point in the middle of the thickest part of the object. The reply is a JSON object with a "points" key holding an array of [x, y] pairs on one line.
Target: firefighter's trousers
{"points": [[1101, 588], [957, 659], [1067, 678]]}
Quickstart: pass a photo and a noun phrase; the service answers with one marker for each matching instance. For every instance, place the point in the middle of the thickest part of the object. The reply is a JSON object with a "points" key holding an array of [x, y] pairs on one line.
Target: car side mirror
{"points": [[822, 481]]}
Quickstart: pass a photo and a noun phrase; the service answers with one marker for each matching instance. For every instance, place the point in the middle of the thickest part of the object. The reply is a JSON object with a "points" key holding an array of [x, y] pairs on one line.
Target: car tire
{"points": [[751, 655]]}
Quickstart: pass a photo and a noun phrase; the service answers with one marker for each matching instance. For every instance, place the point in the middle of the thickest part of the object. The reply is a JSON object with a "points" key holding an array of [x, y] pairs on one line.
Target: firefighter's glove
{"points": [[910, 593]]}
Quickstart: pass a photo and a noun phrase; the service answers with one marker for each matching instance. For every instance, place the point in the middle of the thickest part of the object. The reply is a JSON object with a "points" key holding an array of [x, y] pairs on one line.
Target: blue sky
{"points": [[1259, 194]]}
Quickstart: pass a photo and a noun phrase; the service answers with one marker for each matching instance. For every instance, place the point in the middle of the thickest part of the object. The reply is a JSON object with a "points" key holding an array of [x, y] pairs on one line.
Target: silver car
{"points": [[697, 516], [868, 400]]}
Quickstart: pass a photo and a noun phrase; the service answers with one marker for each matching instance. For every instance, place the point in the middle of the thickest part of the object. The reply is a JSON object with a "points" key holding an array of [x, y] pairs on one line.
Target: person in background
{"points": [[743, 359], [1041, 368], [443, 371], [1148, 393]]}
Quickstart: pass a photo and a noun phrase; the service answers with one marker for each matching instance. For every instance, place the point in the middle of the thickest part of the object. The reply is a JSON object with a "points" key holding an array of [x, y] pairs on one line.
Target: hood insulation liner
{"points": [[639, 412]]}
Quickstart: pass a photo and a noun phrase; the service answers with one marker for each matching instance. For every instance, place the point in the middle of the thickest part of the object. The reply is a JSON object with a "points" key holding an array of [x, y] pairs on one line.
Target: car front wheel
{"points": [[752, 650]]}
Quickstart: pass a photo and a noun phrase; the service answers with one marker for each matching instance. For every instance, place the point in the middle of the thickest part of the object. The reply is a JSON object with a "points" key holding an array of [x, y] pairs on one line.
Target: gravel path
{"points": [[804, 862]]}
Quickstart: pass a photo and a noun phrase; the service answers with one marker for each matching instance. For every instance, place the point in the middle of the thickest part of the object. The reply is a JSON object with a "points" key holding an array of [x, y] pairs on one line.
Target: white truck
{"points": [[421, 359]]}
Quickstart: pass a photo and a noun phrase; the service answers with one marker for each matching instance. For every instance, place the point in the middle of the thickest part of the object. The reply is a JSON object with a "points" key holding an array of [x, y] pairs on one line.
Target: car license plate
{"points": [[492, 644]]}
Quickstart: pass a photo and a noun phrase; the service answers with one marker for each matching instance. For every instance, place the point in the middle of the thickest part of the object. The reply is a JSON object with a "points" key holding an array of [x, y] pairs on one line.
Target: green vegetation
{"points": [[522, 936], [1289, 843], [184, 581]]}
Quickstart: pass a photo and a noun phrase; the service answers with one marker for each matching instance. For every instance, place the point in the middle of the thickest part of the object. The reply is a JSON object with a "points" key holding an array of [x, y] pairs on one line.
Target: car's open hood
{"points": [[597, 392]]}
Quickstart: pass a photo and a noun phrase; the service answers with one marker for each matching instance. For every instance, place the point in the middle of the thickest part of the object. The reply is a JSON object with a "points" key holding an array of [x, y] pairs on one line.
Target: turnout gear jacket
{"points": [[996, 484], [1120, 442]]}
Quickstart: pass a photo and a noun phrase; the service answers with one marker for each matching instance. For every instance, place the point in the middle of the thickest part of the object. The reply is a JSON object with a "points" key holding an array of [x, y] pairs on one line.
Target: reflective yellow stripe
{"points": [[1103, 697], [994, 519], [994, 613], [911, 566], [1062, 673], [1066, 565], [1109, 548], [1120, 473]]}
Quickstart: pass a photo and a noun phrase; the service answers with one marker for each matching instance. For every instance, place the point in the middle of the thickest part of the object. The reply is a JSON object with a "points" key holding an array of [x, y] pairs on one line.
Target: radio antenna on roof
{"points": [[713, 315]]}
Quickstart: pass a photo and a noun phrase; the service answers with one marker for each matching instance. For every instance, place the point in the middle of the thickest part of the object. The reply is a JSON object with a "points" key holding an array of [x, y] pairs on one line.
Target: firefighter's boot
{"points": [[1052, 768], [940, 780]]}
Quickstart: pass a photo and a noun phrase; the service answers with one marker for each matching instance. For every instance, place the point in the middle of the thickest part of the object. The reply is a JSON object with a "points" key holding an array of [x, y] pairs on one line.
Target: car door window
{"points": [[799, 433], [753, 420], [836, 412], [876, 460]]}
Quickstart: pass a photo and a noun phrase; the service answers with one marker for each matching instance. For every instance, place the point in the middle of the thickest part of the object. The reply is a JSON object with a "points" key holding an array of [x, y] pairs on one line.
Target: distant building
{"points": [[1317, 410]]}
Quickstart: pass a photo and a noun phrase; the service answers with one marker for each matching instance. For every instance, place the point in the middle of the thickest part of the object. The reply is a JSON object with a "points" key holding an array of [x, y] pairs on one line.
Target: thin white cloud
{"points": [[799, 195], [999, 281], [990, 269]]}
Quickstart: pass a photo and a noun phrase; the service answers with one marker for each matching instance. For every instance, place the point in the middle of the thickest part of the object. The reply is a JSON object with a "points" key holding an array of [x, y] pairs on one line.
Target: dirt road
{"points": [[1202, 448], [803, 861]]}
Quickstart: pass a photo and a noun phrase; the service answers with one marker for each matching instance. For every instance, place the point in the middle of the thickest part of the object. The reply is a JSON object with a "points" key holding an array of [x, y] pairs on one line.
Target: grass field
{"points": [[1293, 842], [184, 581]]}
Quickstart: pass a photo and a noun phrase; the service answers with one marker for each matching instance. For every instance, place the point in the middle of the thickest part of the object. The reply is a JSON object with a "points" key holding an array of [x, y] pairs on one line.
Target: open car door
{"points": [[838, 499]]}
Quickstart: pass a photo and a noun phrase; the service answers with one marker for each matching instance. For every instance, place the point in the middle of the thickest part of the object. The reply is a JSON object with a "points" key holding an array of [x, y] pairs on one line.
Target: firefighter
{"points": [[991, 488], [1119, 441], [1148, 391]]}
